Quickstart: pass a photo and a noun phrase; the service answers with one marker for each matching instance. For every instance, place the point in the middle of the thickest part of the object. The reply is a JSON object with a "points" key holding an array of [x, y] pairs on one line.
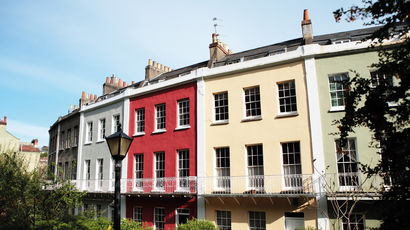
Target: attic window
{"points": [[274, 52], [185, 73], [341, 41], [233, 61]]}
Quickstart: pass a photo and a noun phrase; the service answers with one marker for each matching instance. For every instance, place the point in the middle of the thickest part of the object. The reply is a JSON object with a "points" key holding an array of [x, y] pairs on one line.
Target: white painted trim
{"points": [[200, 148], [316, 140], [300, 53], [123, 207], [57, 150], [80, 151], [125, 129]]}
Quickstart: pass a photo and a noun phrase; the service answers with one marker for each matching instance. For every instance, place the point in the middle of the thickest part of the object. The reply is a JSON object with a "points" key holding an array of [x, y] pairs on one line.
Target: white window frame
{"points": [[181, 212], [87, 173], [287, 89], [100, 173], [159, 117], [259, 180], [221, 103], [363, 218], [183, 113], [291, 181], [224, 222], [222, 172], [101, 129], [138, 168], [159, 215], [261, 219], [139, 121], [89, 133], [256, 102], [66, 170], [115, 122], [68, 138], [137, 214], [182, 171], [62, 136], [294, 220], [75, 136], [159, 183], [343, 90], [352, 175]]}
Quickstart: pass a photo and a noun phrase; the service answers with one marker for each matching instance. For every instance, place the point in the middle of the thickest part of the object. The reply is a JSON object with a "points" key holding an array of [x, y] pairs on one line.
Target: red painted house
{"points": [[161, 186]]}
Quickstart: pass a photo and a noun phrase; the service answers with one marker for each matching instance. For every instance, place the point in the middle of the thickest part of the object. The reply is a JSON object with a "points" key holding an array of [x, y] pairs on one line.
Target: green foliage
{"points": [[385, 108], [197, 225], [129, 224], [80, 222], [26, 199], [19, 192]]}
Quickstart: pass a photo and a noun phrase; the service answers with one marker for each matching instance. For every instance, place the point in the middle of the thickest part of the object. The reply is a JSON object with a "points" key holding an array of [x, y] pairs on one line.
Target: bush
{"points": [[197, 225]]}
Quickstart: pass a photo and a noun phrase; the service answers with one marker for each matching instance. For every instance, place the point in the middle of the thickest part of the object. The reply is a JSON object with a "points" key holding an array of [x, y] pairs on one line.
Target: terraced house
{"points": [[243, 139]]}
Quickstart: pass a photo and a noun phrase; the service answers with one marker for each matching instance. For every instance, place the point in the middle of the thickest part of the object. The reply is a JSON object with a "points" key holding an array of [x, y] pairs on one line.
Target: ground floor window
{"points": [[223, 220], [159, 218], [137, 214], [294, 220], [257, 221], [355, 222], [182, 216]]}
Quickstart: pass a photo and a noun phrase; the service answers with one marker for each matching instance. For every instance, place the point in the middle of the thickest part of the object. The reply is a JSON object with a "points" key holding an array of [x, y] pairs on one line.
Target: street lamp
{"points": [[118, 143]]}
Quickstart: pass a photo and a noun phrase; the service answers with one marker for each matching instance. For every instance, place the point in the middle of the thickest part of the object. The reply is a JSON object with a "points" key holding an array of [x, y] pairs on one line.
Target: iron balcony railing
{"points": [[225, 185], [267, 184], [353, 182]]}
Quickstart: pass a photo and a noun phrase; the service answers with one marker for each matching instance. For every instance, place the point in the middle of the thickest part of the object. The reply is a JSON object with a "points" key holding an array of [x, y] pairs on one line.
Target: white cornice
{"points": [[300, 53]]}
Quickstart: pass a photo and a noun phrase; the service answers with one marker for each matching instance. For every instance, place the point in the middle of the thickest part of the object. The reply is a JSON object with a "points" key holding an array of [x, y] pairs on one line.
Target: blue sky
{"points": [[51, 51]]}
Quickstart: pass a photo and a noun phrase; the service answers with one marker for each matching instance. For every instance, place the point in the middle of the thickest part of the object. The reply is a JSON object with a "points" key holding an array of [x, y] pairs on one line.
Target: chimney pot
{"points": [[88, 96], [95, 97], [149, 62], [83, 95], [5, 119], [107, 80], [124, 84], [112, 80], [154, 63], [132, 82], [119, 82]]}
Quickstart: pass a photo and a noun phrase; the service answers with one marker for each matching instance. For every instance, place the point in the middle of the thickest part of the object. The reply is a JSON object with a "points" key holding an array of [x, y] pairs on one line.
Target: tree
{"points": [[384, 107], [25, 199]]}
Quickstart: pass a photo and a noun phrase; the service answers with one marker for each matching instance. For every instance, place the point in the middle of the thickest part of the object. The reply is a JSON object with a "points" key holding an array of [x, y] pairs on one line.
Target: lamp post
{"points": [[118, 143]]}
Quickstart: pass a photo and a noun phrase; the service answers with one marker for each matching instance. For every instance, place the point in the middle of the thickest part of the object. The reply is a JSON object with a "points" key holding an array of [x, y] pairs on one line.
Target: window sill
{"points": [[282, 115], [220, 123], [159, 131], [100, 141], [138, 134], [182, 190], [182, 128], [336, 109], [88, 143], [157, 190], [252, 119]]}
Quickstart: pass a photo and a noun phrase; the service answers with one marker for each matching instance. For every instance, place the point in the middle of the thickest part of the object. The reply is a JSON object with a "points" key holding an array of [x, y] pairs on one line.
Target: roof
{"points": [[277, 48], [28, 148]]}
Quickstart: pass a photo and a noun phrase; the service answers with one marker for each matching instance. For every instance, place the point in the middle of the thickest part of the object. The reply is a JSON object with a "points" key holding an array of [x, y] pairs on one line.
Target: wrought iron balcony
{"points": [[342, 184], [266, 185]]}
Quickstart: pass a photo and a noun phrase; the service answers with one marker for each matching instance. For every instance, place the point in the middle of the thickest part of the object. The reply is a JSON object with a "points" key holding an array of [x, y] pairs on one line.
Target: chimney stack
{"points": [[307, 28], [154, 69], [3, 122], [35, 143], [113, 85], [217, 50]]}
